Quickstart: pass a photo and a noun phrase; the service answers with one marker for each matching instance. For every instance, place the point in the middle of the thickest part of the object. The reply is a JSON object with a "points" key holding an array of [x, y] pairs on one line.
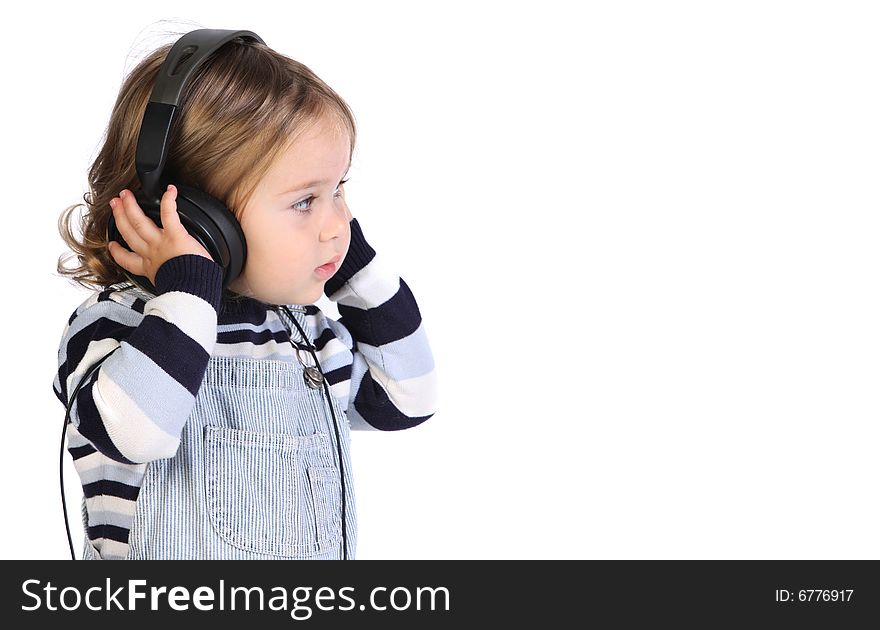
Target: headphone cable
{"points": [[311, 349], [63, 436]]}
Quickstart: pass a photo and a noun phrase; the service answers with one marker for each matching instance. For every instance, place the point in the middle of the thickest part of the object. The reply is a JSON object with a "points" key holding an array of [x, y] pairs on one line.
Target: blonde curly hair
{"points": [[238, 112]]}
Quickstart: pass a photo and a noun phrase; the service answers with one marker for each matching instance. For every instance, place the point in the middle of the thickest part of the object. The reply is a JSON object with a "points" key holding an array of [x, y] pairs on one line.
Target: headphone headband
{"points": [[184, 58]]}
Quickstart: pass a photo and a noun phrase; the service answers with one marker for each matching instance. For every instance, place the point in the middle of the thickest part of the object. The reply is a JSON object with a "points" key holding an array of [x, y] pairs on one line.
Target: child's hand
{"points": [[152, 245]]}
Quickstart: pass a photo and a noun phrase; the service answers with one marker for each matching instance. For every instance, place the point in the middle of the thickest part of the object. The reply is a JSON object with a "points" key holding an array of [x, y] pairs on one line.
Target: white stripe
{"points": [[252, 350], [194, 316], [110, 549], [333, 348], [137, 437], [375, 286], [341, 392], [94, 353]]}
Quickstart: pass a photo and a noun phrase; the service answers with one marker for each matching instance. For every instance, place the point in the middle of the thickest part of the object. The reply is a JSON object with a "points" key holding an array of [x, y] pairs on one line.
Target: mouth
{"points": [[329, 268], [332, 261]]}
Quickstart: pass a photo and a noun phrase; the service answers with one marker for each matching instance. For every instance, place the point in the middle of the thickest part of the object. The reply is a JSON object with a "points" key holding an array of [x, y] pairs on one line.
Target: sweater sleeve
{"points": [[393, 379], [132, 408]]}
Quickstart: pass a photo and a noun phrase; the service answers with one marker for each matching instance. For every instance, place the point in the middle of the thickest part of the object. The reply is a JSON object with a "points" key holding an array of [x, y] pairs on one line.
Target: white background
{"points": [[642, 236]]}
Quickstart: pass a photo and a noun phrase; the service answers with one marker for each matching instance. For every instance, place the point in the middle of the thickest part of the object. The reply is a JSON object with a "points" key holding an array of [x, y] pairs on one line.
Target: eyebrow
{"points": [[314, 182]]}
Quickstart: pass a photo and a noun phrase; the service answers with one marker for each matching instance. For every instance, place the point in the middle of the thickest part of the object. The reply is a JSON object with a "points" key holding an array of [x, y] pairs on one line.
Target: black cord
{"points": [[311, 349], [63, 502], [64, 435]]}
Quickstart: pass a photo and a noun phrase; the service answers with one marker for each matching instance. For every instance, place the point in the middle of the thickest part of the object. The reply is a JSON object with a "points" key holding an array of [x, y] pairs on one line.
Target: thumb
{"points": [[168, 208]]}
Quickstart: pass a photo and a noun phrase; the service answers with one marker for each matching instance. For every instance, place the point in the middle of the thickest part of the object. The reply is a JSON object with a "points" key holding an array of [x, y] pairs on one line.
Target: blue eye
{"points": [[308, 200], [305, 210]]}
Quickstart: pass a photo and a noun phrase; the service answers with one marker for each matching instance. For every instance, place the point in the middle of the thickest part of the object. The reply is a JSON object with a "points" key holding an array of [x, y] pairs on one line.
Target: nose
{"points": [[335, 222]]}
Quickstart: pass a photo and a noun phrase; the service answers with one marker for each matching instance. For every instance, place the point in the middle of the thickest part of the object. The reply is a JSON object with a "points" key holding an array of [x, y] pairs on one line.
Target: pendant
{"points": [[313, 377], [311, 374]]}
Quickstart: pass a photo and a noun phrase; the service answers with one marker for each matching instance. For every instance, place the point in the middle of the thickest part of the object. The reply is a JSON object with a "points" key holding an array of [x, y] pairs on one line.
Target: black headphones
{"points": [[205, 218]]}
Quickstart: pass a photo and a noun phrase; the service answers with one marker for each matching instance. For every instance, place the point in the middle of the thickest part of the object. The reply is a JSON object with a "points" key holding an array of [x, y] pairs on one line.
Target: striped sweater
{"points": [[134, 405]]}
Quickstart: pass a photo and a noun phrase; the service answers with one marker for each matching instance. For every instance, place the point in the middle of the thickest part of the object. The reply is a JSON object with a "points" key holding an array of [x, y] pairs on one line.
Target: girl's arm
{"points": [[134, 405], [393, 382]]}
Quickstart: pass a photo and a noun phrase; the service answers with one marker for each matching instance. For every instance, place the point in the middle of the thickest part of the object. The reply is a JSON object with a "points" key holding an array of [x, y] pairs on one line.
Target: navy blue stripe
{"points": [[78, 344], [193, 274], [338, 375], [81, 451], [108, 532], [261, 337], [181, 356], [241, 311], [91, 425], [324, 338], [397, 318], [254, 337], [377, 409], [106, 487]]}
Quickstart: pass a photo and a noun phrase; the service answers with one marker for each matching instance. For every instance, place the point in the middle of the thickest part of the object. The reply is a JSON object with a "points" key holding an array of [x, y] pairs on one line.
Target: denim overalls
{"points": [[256, 475]]}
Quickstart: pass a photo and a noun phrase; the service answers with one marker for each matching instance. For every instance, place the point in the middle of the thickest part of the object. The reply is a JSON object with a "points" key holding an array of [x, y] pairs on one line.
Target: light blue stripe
{"points": [[108, 309], [409, 357], [165, 401], [272, 325], [75, 438], [114, 471], [112, 518]]}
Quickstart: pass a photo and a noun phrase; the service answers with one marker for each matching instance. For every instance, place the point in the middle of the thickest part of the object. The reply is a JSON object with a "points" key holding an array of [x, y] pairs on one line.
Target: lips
{"points": [[328, 268]]}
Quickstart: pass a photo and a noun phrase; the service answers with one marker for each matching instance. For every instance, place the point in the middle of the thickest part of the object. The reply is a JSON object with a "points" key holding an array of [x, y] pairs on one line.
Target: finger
{"points": [[140, 223], [130, 261], [168, 209], [134, 241]]}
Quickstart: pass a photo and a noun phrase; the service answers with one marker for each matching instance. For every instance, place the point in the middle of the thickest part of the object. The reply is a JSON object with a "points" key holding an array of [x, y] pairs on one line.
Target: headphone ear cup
{"points": [[207, 220], [211, 223]]}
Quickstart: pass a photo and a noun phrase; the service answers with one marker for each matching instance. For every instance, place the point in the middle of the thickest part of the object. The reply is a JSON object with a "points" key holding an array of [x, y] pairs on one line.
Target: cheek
{"points": [[279, 247]]}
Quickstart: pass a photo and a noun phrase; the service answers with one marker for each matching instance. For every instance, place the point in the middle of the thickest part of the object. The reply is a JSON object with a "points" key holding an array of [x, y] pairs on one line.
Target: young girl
{"points": [[205, 432]]}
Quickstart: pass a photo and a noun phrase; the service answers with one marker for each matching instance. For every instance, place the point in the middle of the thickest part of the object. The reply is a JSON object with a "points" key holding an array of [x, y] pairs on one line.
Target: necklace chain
{"points": [[311, 373]]}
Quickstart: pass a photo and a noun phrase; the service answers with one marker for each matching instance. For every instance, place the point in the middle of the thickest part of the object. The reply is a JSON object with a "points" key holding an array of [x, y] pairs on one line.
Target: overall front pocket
{"points": [[273, 494]]}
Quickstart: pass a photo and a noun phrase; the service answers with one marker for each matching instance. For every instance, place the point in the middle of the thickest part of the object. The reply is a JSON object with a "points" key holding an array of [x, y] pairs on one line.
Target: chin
{"points": [[307, 298]]}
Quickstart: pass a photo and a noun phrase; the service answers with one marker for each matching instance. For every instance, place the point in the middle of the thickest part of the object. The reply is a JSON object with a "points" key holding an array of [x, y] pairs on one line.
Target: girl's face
{"points": [[297, 220]]}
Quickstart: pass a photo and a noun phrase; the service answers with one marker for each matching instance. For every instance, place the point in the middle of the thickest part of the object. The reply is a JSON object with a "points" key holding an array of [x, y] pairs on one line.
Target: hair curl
{"points": [[240, 109]]}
